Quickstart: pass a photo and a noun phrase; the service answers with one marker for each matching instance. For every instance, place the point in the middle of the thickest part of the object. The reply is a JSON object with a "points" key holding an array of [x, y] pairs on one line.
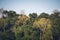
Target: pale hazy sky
{"points": [[30, 6]]}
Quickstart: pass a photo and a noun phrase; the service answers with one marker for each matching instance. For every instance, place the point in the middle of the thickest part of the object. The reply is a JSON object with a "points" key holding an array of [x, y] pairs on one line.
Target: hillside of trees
{"points": [[15, 26]]}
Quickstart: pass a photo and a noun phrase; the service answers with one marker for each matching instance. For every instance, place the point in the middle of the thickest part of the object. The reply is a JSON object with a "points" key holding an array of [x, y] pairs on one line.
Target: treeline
{"points": [[15, 26]]}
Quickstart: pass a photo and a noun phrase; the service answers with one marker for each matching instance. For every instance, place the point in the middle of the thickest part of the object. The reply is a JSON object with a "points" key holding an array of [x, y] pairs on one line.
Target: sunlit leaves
{"points": [[43, 24]]}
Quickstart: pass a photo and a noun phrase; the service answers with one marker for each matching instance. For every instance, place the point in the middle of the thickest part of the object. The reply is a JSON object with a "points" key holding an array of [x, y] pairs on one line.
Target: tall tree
{"points": [[45, 26], [55, 17]]}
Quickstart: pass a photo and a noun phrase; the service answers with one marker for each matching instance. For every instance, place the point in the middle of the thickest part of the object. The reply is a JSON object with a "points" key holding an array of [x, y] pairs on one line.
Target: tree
{"points": [[45, 26], [5, 13], [55, 17], [33, 17], [8, 35], [26, 32], [3, 23], [11, 13], [22, 19], [43, 15]]}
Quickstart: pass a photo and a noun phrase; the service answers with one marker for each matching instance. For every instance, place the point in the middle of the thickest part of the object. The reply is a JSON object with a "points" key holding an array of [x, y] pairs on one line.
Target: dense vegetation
{"points": [[15, 26]]}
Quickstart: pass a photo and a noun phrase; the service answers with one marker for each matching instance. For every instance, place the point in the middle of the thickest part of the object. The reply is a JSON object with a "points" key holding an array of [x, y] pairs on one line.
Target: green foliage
{"points": [[43, 15], [55, 17], [45, 26], [26, 32], [33, 15], [33, 27], [8, 35]]}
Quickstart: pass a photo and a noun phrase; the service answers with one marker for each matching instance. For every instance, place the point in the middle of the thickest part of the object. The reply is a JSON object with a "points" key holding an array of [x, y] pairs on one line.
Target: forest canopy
{"points": [[15, 26]]}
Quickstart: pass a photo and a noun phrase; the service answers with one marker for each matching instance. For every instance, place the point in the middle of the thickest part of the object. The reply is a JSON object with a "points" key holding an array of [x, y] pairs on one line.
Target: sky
{"points": [[30, 6]]}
